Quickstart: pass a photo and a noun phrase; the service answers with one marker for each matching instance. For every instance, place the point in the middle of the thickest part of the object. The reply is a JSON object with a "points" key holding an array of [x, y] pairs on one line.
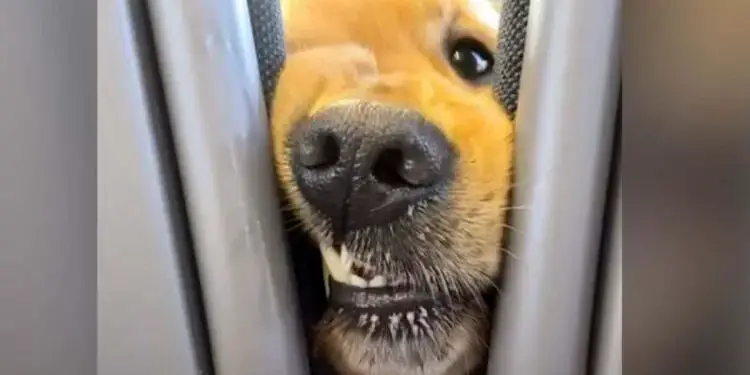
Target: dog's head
{"points": [[396, 158]]}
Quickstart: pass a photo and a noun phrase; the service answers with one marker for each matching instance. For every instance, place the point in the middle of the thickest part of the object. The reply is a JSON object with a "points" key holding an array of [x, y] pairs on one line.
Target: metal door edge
{"points": [[219, 121], [565, 125], [142, 320], [607, 351]]}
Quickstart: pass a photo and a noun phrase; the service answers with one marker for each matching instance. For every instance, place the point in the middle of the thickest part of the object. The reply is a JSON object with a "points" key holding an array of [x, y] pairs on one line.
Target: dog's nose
{"points": [[367, 165]]}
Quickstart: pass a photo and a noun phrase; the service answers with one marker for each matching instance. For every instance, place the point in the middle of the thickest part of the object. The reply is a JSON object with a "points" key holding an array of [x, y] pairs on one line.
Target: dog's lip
{"points": [[353, 297]]}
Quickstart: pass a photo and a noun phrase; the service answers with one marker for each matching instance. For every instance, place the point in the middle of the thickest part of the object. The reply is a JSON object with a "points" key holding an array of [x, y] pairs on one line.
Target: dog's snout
{"points": [[415, 158], [318, 150], [366, 165]]}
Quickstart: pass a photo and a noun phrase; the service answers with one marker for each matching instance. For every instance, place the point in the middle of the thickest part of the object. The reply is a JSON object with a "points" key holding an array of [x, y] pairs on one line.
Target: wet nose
{"points": [[367, 165]]}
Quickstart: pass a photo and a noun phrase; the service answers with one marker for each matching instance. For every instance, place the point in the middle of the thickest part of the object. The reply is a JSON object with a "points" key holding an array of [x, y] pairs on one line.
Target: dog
{"points": [[396, 158]]}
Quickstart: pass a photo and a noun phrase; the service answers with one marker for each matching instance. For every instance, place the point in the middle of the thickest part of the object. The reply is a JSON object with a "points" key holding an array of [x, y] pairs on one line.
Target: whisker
{"points": [[377, 208], [295, 226], [510, 253], [515, 208], [482, 342], [477, 295], [441, 277], [288, 207], [528, 179], [494, 285], [514, 229]]}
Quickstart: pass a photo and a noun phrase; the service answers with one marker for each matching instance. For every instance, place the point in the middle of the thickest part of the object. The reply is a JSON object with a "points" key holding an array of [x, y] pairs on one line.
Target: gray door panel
{"points": [[565, 123], [142, 321], [607, 348], [47, 188], [215, 101]]}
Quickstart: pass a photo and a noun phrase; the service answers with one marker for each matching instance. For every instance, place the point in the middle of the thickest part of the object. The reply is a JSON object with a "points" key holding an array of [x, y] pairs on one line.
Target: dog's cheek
{"points": [[477, 243], [484, 182], [491, 255], [489, 227]]}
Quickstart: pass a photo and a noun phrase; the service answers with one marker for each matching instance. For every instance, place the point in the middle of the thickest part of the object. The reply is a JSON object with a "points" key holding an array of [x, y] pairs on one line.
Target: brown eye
{"points": [[470, 59]]}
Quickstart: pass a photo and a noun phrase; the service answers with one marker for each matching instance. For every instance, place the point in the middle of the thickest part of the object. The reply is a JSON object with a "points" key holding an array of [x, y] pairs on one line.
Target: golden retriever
{"points": [[395, 156]]}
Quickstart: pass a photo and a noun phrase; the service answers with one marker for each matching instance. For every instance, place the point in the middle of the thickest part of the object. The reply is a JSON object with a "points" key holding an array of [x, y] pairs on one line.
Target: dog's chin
{"points": [[387, 325], [397, 332]]}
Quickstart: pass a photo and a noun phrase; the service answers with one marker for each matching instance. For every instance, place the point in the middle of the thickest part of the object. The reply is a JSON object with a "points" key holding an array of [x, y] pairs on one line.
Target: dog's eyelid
{"points": [[456, 33], [463, 28]]}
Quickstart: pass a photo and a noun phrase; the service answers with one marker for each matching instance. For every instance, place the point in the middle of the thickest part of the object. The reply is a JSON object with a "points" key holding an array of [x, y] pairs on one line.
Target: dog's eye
{"points": [[470, 58]]}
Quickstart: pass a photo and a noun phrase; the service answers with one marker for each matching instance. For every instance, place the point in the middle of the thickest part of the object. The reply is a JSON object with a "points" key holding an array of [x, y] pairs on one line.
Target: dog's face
{"points": [[396, 158]]}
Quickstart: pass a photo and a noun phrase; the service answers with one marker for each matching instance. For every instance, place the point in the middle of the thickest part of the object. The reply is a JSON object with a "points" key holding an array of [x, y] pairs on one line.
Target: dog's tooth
{"points": [[377, 281], [334, 265], [326, 281], [346, 259], [357, 281]]}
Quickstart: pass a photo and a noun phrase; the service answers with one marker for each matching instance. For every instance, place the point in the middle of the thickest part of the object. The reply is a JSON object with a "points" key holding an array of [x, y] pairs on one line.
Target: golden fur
{"points": [[392, 52]]}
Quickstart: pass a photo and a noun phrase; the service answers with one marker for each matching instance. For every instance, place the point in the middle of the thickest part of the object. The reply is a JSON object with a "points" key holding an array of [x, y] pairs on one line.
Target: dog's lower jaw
{"points": [[455, 351]]}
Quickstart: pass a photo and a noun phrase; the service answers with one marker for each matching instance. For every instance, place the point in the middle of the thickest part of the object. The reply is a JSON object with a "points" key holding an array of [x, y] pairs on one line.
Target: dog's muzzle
{"points": [[365, 164]]}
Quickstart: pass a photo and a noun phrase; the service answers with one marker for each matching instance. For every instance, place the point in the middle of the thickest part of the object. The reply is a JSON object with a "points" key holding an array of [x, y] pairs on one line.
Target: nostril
{"points": [[405, 167], [419, 168], [318, 150], [388, 166]]}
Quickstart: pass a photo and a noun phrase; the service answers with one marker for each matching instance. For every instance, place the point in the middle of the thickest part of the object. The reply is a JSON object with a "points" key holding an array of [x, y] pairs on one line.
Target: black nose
{"points": [[367, 164]]}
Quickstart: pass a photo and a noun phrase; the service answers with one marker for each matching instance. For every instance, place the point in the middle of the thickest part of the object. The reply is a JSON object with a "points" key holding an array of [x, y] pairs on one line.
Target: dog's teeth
{"points": [[346, 259], [377, 282], [334, 265], [357, 281]]}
